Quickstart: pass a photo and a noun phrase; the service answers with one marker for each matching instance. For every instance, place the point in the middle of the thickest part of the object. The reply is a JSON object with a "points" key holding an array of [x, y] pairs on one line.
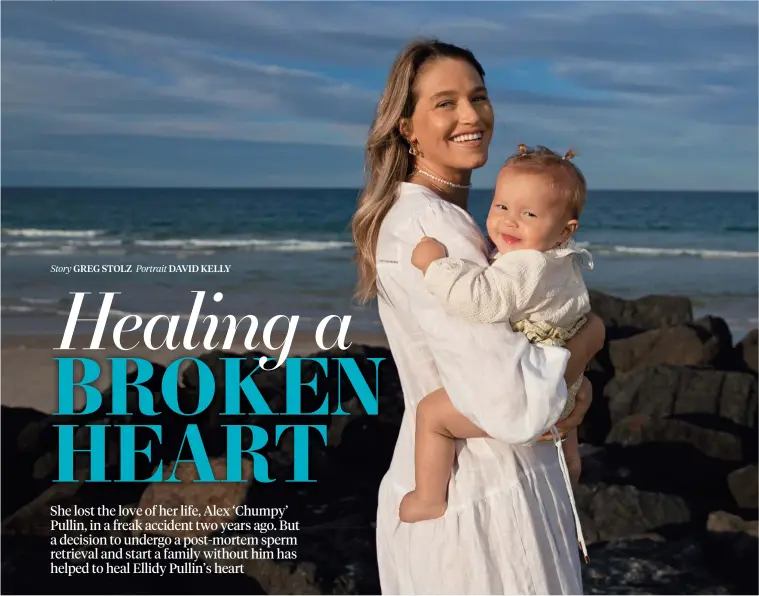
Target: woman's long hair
{"points": [[387, 159]]}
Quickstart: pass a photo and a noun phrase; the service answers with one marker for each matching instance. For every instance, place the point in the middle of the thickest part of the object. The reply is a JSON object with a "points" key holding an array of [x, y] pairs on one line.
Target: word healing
{"points": [[240, 394], [169, 340]]}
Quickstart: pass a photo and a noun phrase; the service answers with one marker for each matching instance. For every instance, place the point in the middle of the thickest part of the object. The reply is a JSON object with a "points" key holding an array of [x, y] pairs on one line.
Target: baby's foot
{"points": [[414, 509]]}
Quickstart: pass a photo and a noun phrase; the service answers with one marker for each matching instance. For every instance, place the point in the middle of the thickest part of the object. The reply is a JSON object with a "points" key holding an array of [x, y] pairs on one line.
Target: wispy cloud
{"points": [[646, 89]]}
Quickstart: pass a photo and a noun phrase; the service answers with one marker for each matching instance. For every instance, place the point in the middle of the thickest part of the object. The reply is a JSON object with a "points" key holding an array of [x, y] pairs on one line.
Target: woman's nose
{"points": [[467, 113]]}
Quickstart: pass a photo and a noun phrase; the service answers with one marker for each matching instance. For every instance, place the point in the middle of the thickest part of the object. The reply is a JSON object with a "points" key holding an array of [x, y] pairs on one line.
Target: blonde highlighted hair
{"points": [[564, 174], [387, 158]]}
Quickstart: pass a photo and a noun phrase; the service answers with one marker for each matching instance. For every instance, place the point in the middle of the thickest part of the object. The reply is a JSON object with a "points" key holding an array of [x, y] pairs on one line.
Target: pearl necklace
{"points": [[438, 179]]}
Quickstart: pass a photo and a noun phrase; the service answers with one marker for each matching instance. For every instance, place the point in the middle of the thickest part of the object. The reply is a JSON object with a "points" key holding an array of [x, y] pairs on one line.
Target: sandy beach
{"points": [[29, 368]]}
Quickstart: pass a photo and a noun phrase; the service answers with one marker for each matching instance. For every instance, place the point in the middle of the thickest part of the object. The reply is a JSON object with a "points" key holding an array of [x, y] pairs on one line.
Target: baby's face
{"points": [[528, 213]]}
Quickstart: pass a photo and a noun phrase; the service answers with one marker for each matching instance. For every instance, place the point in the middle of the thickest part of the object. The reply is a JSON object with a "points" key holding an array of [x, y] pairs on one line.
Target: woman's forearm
{"points": [[583, 347]]}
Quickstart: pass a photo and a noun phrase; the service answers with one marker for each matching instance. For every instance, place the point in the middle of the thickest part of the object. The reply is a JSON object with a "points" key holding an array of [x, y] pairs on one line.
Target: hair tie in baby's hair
{"points": [[569, 154], [522, 149]]}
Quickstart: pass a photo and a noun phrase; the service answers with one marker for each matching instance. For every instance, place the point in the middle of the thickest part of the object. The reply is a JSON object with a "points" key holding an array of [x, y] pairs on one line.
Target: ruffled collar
{"points": [[569, 247]]}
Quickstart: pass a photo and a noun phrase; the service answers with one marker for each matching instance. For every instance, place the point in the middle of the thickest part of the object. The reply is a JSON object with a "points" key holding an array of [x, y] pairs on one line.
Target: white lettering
{"points": [[172, 343], [292, 324], [340, 341]]}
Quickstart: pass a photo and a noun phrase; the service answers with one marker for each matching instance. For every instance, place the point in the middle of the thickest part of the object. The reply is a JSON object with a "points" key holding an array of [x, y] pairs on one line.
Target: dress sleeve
{"points": [[488, 294], [511, 389]]}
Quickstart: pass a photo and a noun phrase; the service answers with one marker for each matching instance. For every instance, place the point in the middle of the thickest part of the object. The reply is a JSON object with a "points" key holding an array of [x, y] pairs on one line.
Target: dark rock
{"points": [[731, 548], [641, 428], [664, 390], [282, 578], [45, 469], [743, 487], [648, 564], [15, 421], [608, 512], [627, 317], [706, 342], [366, 448], [38, 435], [33, 519], [722, 521], [746, 351], [718, 340], [671, 468], [597, 422]]}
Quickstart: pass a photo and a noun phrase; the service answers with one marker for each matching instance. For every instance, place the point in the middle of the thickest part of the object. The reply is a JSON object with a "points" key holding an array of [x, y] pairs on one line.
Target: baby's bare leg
{"points": [[438, 423]]}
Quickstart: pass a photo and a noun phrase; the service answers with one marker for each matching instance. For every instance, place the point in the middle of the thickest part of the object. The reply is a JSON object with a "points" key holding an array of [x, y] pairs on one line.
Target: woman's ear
{"points": [[406, 130]]}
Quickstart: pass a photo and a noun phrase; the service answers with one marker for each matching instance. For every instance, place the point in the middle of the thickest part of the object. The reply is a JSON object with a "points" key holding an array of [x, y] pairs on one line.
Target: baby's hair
{"points": [[564, 173]]}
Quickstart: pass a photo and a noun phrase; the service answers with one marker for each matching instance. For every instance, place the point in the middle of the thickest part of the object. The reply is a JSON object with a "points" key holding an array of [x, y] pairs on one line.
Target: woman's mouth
{"points": [[509, 239], [468, 140]]}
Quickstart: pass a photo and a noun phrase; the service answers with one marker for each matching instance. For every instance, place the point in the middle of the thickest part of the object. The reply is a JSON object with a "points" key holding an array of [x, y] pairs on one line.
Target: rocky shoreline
{"points": [[668, 497]]}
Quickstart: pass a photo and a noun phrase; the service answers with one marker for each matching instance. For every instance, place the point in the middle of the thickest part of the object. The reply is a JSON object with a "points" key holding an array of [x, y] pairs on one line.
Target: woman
{"points": [[508, 527]]}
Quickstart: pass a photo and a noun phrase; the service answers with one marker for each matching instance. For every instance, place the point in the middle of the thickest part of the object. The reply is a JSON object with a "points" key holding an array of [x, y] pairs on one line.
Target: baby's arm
{"points": [[427, 251], [484, 294]]}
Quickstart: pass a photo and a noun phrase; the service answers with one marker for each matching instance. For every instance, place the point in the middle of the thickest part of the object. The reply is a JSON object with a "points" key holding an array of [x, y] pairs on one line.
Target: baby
{"points": [[534, 283]]}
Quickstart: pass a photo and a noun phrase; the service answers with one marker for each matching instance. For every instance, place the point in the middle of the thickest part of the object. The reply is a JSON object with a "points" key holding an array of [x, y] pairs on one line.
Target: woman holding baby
{"points": [[505, 522]]}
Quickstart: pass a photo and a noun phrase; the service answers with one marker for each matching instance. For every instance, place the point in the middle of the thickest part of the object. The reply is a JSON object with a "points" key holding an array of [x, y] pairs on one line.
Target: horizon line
{"points": [[320, 187]]}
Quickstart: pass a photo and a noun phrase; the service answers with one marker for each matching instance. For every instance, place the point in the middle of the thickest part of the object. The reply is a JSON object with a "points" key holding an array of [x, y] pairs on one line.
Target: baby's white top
{"points": [[523, 284]]}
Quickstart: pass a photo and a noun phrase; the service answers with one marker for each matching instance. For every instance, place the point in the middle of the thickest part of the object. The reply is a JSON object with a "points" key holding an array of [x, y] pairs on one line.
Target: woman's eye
{"points": [[445, 103], [481, 98]]}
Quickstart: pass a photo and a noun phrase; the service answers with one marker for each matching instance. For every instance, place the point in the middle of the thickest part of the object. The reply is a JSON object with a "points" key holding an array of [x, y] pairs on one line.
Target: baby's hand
{"points": [[427, 251]]}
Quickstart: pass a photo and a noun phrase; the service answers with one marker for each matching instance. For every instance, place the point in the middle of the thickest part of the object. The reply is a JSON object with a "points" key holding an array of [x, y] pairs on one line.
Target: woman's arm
{"points": [[513, 390], [584, 346]]}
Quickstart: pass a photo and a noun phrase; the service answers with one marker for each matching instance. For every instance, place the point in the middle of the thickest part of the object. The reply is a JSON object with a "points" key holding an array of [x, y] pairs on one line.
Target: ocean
{"points": [[289, 251]]}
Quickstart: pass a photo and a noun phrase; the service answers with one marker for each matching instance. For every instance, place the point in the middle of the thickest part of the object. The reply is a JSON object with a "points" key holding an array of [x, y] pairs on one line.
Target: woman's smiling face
{"points": [[452, 123]]}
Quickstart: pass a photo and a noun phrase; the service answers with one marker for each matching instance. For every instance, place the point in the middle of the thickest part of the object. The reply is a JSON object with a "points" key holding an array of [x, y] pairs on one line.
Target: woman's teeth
{"points": [[472, 137]]}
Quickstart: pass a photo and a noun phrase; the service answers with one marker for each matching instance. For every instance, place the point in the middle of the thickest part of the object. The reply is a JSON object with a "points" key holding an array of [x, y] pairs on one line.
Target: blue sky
{"points": [[655, 95]]}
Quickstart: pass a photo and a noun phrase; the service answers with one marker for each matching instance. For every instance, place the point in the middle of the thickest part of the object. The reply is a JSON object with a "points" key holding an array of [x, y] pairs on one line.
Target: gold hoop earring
{"points": [[413, 150]]}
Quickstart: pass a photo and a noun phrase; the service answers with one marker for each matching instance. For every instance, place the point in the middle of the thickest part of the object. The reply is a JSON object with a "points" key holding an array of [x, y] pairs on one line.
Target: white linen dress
{"points": [[509, 527]]}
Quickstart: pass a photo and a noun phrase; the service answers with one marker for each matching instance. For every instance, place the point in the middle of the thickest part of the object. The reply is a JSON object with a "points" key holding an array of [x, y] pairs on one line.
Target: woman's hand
{"points": [[582, 404], [583, 399], [584, 346]]}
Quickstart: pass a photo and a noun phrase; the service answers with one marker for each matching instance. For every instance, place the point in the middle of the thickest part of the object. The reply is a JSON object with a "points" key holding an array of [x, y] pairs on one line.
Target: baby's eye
{"points": [[499, 206], [530, 214]]}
